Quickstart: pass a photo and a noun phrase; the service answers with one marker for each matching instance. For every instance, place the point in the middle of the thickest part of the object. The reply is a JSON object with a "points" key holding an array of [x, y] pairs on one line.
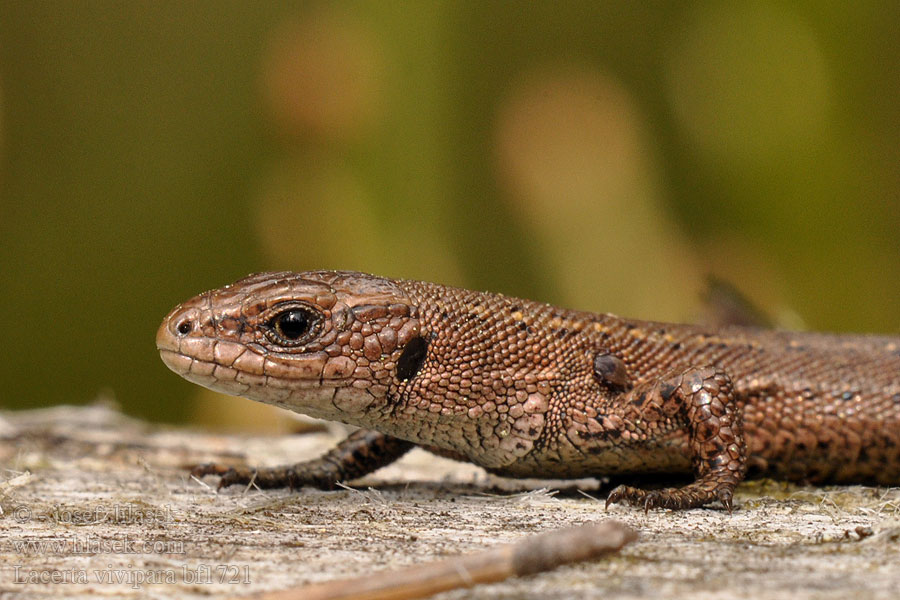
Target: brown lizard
{"points": [[526, 389]]}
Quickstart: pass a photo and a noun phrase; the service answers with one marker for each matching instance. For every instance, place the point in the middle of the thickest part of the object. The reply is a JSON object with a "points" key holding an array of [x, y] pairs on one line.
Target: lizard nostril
{"points": [[184, 327]]}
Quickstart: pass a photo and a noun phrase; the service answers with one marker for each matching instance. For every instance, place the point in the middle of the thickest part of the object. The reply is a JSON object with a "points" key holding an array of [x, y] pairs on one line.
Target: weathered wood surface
{"points": [[97, 505]]}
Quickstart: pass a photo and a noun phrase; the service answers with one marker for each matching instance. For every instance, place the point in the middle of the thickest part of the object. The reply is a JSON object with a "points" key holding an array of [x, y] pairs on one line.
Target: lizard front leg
{"points": [[701, 400], [358, 454]]}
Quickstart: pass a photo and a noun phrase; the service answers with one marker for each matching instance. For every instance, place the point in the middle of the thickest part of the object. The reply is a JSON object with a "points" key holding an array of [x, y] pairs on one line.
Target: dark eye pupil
{"points": [[293, 324]]}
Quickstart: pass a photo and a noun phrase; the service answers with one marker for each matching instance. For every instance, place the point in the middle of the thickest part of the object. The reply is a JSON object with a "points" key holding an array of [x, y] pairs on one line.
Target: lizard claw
{"points": [[725, 497], [625, 493], [638, 497]]}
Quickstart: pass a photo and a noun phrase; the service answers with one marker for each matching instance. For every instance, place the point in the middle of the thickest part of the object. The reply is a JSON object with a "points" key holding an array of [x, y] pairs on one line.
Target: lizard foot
{"points": [[362, 452], [266, 478], [690, 496], [702, 399]]}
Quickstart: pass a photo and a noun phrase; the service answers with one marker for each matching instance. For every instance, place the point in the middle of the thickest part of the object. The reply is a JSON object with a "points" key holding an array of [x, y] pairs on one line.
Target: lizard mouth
{"points": [[230, 380], [210, 374], [333, 399]]}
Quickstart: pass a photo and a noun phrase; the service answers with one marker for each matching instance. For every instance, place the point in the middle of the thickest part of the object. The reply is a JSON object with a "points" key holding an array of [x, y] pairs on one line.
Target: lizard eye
{"points": [[292, 326]]}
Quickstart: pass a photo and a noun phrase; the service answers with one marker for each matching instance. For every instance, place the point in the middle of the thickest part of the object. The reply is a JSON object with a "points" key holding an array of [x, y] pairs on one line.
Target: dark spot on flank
{"points": [[562, 332], [522, 325], [610, 370], [412, 358]]}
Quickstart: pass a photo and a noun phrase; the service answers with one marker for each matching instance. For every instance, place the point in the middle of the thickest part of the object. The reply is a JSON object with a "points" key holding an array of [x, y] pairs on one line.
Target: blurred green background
{"points": [[598, 155]]}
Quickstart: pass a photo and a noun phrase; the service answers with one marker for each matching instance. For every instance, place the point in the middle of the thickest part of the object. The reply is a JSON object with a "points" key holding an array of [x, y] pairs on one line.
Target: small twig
{"points": [[19, 479], [13, 482], [586, 495], [534, 554]]}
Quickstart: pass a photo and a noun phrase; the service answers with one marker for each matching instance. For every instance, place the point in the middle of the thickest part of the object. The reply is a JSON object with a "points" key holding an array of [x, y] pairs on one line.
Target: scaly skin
{"points": [[526, 389]]}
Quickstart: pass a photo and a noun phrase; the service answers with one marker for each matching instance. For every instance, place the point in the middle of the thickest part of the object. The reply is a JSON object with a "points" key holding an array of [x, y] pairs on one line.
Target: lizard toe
{"points": [[625, 494], [236, 476], [726, 498]]}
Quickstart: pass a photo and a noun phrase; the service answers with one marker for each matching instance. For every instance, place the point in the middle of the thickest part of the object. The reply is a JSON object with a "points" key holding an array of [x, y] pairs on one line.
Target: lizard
{"points": [[527, 389]]}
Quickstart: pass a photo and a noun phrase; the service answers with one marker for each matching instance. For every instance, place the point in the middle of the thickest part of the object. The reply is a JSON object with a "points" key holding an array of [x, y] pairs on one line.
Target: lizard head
{"points": [[470, 373], [328, 344]]}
